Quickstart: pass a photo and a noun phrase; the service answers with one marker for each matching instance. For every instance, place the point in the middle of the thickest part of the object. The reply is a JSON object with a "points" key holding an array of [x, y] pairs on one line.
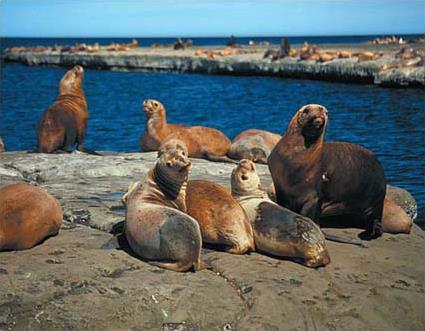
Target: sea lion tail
{"points": [[351, 241], [87, 151]]}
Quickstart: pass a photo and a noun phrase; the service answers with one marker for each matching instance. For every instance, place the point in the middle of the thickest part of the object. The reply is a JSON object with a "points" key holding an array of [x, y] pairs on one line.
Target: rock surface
{"points": [[251, 63], [79, 280]]}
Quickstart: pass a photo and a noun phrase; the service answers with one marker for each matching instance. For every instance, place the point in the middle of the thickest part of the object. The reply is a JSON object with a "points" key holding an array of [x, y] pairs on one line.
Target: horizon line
{"points": [[222, 36]]}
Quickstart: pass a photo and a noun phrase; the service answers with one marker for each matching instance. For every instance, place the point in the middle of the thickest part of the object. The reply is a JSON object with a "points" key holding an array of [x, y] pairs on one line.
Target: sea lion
{"points": [[156, 226], [65, 122], [318, 179], [1, 145], [204, 142], [277, 230], [156, 127], [28, 215], [394, 218], [254, 145], [327, 56], [221, 219]]}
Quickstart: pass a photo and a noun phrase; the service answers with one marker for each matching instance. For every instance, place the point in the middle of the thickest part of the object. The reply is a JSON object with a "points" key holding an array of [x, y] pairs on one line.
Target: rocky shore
{"points": [[383, 71], [86, 278]]}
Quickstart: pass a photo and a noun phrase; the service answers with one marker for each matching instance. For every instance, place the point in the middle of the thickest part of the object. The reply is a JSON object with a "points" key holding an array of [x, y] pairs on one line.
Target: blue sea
{"points": [[388, 121]]}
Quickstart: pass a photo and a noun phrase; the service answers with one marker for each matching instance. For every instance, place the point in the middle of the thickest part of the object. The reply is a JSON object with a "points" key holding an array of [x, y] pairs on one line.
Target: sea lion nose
{"points": [[79, 68], [318, 121]]}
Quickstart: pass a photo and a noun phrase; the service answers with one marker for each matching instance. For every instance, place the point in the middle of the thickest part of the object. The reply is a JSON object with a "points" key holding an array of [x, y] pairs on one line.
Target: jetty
{"points": [[385, 69]]}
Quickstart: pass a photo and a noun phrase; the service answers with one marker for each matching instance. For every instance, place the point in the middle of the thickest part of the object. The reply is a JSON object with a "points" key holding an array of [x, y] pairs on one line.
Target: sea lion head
{"points": [[171, 144], [153, 107], [72, 80], [312, 120], [172, 169], [245, 178], [173, 159]]}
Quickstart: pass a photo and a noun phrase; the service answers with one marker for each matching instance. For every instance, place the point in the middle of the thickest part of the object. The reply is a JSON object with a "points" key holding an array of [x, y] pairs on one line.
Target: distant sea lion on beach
{"points": [[156, 127], [254, 145], [221, 219], [65, 122], [277, 230], [318, 179], [28, 215], [156, 226]]}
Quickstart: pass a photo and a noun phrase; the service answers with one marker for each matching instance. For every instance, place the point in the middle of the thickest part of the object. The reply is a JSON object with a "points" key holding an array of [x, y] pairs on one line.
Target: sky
{"points": [[209, 18]]}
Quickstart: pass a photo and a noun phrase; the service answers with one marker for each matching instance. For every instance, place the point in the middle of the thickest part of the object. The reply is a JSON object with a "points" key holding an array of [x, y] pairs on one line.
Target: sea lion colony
{"points": [[168, 218]]}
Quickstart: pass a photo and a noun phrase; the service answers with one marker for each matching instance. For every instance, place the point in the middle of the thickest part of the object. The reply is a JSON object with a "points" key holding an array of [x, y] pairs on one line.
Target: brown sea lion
{"points": [[1, 145], [344, 54], [395, 219], [28, 215], [327, 56], [156, 226], [221, 219], [277, 230], [254, 145], [65, 122], [204, 142], [318, 179], [156, 127]]}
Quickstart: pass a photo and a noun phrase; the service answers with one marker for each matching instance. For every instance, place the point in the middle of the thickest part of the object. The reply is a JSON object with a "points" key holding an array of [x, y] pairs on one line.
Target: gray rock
{"points": [[85, 279]]}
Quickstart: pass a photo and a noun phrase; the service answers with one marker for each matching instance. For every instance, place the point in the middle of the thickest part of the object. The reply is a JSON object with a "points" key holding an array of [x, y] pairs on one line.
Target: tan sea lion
{"points": [[327, 56], [28, 215], [395, 219], [156, 127], [204, 142], [1, 145], [344, 54], [65, 122], [254, 145], [277, 230], [221, 219], [319, 180], [156, 226]]}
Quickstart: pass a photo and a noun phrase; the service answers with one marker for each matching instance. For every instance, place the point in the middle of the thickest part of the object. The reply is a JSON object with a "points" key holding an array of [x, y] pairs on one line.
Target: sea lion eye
{"points": [[306, 110], [155, 104], [244, 177]]}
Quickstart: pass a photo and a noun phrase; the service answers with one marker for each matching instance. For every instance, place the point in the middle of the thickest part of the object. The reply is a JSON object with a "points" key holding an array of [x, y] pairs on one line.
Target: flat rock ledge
{"points": [[79, 280], [341, 70]]}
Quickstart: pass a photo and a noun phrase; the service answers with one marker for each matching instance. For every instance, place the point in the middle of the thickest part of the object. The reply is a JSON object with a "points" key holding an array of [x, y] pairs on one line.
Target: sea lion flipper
{"points": [[343, 240], [83, 149]]}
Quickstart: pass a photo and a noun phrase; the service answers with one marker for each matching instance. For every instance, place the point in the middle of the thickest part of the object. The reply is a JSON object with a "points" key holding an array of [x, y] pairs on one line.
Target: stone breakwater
{"points": [[250, 63], [79, 280]]}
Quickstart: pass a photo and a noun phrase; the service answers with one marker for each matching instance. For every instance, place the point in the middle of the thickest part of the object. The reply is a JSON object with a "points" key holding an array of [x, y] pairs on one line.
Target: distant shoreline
{"points": [[384, 70]]}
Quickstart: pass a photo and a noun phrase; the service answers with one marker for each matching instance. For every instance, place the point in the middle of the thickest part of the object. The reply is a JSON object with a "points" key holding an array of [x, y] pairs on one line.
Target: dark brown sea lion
{"points": [[254, 145], [277, 230], [156, 127], [65, 122], [221, 218], [156, 226], [28, 215], [318, 179]]}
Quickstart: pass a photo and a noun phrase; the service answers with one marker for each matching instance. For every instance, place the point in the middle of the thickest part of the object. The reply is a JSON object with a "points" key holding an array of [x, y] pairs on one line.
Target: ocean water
{"points": [[388, 121]]}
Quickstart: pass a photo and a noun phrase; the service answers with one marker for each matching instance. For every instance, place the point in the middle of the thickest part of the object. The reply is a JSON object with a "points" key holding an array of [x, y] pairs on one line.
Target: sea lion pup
{"points": [[318, 179], [28, 215], [203, 142], [254, 145], [156, 226], [156, 128], [65, 122], [277, 230], [220, 216]]}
